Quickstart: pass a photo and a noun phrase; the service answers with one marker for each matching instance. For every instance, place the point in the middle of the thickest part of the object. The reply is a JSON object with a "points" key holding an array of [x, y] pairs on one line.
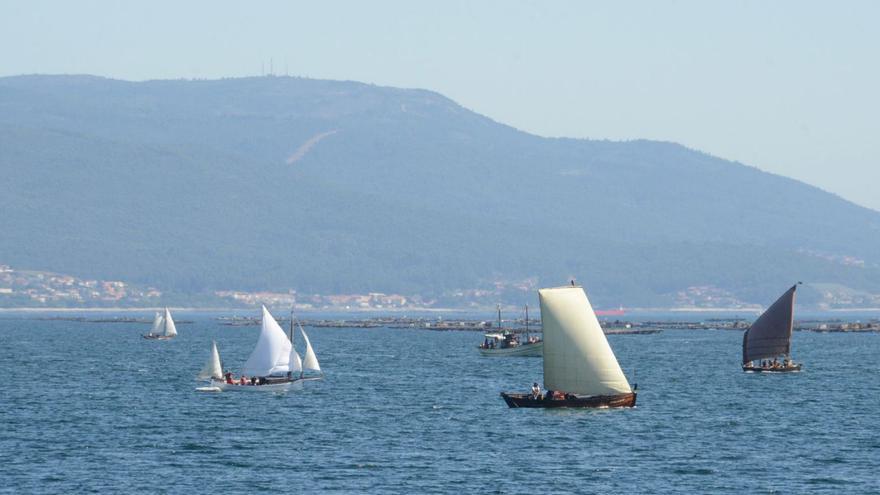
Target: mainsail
{"points": [[156, 329], [310, 361], [271, 356], [577, 357], [213, 368], [770, 335], [170, 329]]}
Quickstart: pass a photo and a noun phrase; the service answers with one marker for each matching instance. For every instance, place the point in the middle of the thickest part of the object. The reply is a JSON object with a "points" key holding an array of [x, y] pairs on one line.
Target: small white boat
{"points": [[505, 343], [163, 327], [274, 364]]}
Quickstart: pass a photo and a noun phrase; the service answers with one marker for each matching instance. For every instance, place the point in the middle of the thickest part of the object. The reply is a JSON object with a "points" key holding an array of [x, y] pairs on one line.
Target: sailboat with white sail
{"points": [[769, 338], [163, 327], [580, 369], [274, 363]]}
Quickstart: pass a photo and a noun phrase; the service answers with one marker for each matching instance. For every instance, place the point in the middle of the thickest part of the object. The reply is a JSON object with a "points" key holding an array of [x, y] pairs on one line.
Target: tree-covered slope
{"points": [[274, 183]]}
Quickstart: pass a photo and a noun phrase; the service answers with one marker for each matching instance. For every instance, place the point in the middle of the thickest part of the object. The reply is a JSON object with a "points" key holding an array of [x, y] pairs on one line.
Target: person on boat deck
{"points": [[242, 380], [536, 391], [229, 378]]}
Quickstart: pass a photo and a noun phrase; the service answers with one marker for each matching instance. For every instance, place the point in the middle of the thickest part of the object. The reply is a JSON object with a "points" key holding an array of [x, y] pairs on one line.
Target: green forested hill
{"points": [[323, 186]]}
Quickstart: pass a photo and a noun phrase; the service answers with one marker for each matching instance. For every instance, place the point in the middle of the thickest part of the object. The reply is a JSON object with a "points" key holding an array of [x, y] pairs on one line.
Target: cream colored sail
{"points": [[156, 329], [272, 353], [310, 361], [577, 357], [170, 328], [213, 368]]}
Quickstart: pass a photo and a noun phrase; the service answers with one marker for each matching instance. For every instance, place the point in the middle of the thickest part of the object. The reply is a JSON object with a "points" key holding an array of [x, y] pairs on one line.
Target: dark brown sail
{"points": [[770, 335]]}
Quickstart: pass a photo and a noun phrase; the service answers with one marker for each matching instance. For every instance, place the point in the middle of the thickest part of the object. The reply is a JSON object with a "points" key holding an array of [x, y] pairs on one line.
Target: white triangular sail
{"points": [[168, 324], [271, 356], [296, 365], [310, 361], [213, 368], [577, 357], [156, 329]]}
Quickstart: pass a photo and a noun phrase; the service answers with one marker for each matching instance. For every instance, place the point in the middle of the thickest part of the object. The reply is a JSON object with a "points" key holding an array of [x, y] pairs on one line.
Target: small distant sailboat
{"points": [[163, 327], [769, 337], [580, 369], [506, 343], [274, 363]]}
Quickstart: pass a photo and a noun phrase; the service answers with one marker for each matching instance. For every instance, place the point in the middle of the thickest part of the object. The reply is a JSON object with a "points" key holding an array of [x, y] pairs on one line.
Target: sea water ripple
{"points": [[95, 408]]}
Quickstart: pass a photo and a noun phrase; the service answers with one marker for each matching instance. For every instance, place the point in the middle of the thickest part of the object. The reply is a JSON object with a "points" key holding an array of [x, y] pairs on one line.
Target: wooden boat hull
{"points": [[535, 349], [157, 337], [596, 401], [758, 369], [274, 386]]}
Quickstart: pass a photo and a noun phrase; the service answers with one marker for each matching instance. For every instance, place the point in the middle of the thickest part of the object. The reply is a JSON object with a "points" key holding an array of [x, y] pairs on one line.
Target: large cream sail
{"points": [[213, 368], [577, 357], [310, 361], [170, 328], [272, 353]]}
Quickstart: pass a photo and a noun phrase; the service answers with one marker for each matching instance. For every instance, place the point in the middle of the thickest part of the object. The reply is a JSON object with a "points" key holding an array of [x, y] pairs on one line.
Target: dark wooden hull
{"points": [[526, 400], [758, 369]]}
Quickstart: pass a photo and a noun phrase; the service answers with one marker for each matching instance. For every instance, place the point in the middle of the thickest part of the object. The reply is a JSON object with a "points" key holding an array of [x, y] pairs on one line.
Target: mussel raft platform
{"points": [[610, 327]]}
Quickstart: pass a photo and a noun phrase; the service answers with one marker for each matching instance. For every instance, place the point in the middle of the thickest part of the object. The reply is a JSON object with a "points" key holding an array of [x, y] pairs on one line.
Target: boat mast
{"points": [[527, 323], [791, 321], [498, 307], [291, 326]]}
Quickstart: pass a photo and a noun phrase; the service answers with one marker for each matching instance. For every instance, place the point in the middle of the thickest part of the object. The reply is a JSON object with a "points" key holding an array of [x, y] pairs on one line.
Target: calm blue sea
{"points": [[89, 407]]}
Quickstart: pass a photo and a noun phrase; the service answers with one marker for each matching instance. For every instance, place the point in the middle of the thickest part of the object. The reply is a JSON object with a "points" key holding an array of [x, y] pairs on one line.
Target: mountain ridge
{"points": [[413, 193]]}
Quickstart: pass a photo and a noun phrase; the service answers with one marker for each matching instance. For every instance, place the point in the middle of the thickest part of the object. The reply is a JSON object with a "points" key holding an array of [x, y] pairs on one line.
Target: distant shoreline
{"points": [[628, 311], [230, 309]]}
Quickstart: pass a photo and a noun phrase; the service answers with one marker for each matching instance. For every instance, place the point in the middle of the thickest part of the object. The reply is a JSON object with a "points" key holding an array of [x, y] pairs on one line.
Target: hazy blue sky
{"points": [[790, 87]]}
